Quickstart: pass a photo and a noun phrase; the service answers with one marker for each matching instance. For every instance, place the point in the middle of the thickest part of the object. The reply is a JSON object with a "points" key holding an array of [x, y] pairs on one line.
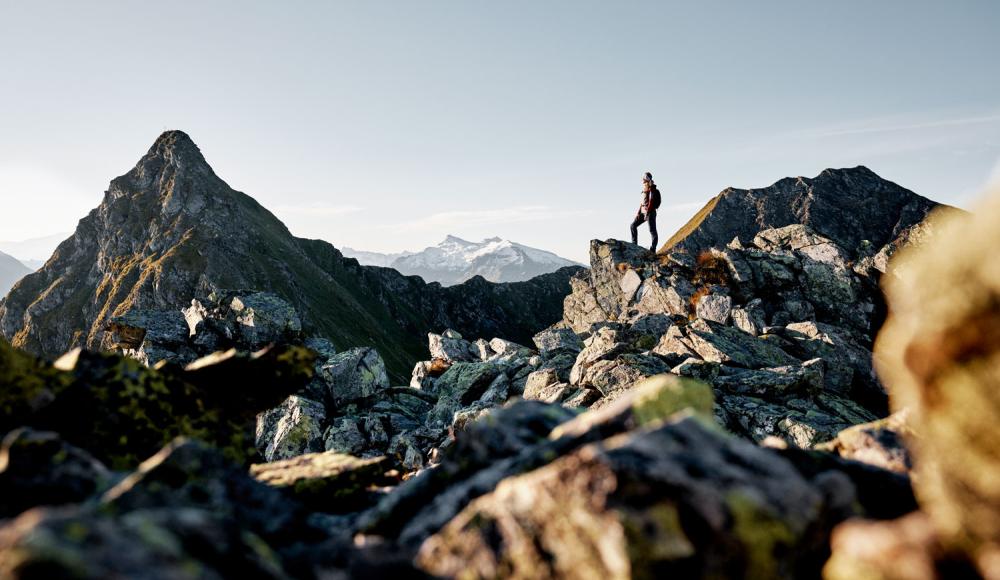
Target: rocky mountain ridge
{"points": [[170, 230], [703, 415], [853, 207], [455, 260]]}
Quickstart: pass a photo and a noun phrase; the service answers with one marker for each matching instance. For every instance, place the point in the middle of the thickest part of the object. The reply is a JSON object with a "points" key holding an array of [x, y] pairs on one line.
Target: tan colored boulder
{"points": [[939, 352]]}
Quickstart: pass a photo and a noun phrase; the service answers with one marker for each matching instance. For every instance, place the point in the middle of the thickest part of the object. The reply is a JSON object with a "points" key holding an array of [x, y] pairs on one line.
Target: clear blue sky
{"points": [[386, 125]]}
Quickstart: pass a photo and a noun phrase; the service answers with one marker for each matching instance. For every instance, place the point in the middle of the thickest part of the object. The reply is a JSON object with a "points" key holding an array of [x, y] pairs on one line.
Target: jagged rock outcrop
{"points": [[782, 328], [170, 230], [854, 208]]}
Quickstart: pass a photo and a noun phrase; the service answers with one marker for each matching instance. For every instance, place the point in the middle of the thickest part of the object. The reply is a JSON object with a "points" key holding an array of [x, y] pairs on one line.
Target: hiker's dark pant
{"points": [[651, 218]]}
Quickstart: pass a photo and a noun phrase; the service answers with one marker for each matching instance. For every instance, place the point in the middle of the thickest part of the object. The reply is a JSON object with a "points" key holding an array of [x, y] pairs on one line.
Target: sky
{"points": [[385, 126]]}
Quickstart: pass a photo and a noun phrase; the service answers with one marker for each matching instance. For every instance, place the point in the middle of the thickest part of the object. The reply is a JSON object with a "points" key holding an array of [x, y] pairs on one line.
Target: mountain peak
{"points": [[177, 147], [450, 239]]}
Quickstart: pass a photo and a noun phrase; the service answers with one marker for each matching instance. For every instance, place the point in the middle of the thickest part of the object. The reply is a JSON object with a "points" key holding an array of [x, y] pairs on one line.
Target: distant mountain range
{"points": [[33, 252], [455, 260], [11, 270]]}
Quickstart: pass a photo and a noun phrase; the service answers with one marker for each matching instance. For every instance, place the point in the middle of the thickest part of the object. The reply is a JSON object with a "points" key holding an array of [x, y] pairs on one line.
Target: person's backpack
{"points": [[656, 198]]}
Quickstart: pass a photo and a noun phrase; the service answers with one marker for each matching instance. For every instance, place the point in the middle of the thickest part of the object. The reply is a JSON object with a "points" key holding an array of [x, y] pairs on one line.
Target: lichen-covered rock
{"points": [[461, 385], [450, 348], [775, 383], [294, 428], [121, 411], [750, 317], [355, 374], [714, 307], [330, 481], [848, 361], [508, 350], [645, 505], [186, 513], [264, 318], [726, 345], [344, 436], [557, 339], [39, 468], [660, 295], [615, 376], [606, 343], [675, 346]]}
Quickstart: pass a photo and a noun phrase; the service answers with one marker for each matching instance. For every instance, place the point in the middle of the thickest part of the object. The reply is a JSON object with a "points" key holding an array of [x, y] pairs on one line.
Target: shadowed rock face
{"points": [[844, 205], [171, 229]]}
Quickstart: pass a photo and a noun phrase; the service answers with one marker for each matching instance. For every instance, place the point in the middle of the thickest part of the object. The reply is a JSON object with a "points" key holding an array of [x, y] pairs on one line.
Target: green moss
{"points": [[660, 396], [760, 533], [654, 534]]}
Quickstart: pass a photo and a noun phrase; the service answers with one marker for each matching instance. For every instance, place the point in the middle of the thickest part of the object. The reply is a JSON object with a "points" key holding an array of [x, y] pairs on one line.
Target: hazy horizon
{"points": [[384, 127]]}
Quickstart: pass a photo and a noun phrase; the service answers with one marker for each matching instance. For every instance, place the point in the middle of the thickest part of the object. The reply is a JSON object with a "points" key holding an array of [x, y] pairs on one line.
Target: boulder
{"points": [[660, 295], [939, 352], [606, 343], [557, 339], [879, 443], [727, 345], [675, 346], [263, 318], [461, 385], [848, 362], [344, 436], [508, 350], [294, 428], [39, 468], [354, 374], [629, 283], [329, 482], [185, 513], [714, 307], [750, 317], [645, 505], [450, 348], [615, 376], [696, 368], [775, 383]]}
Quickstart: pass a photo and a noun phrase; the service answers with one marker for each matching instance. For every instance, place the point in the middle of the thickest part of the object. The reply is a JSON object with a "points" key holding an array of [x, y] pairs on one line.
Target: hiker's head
{"points": [[646, 186]]}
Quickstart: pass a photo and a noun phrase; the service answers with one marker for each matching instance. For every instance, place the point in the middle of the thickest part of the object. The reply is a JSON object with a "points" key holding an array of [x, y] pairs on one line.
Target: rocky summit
{"points": [[855, 208], [711, 411], [171, 230]]}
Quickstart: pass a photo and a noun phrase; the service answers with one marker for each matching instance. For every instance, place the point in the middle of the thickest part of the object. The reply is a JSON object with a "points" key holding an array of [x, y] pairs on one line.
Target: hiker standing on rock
{"points": [[647, 210]]}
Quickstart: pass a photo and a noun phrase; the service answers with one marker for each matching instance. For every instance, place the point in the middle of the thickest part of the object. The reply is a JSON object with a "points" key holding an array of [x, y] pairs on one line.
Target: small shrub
{"points": [[711, 269]]}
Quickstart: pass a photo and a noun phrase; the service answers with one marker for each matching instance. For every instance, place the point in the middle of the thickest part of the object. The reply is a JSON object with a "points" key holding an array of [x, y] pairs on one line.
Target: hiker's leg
{"points": [[635, 229], [652, 229]]}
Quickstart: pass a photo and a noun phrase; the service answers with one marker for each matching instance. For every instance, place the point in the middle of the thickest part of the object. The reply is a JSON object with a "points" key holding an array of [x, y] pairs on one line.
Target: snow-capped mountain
{"points": [[373, 258], [455, 260]]}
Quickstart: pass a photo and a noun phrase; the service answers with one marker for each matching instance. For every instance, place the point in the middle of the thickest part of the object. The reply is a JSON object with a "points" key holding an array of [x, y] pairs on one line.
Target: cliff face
{"points": [[854, 208], [170, 229]]}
